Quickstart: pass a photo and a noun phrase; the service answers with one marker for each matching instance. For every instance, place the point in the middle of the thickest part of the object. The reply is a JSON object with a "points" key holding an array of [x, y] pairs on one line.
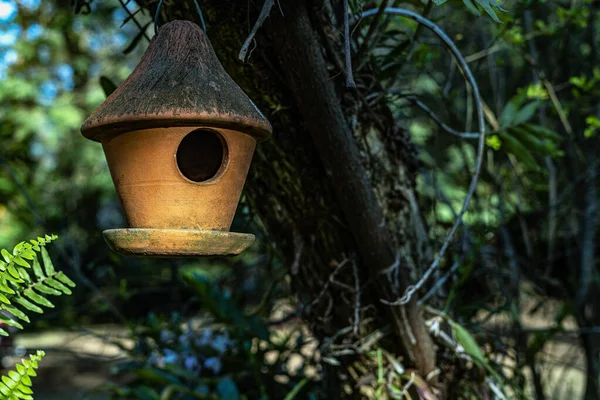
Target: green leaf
{"points": [[168, 393], [18, 248], [24, 274], [19, 261], [493, 141], [4, 299], [532, 143], [37, 270], [468, 3], [13, 272], [510, 111], [471, 7], [57, 285], [14, 376], [516, 147], [11, 322], [25, 389], [464, 338], [526, 112], [4, 390], [65, 279], [16, 312], [11, 278], [48, 266], [9, 382], [38, 299], [294, 392], [28, 254], [22, 396], [488, 6], [25, 378], [107, 86], [543, 133], [40, 287], [4, 288], [6, 255], [28, 305], [228, 390], [468, 343]]}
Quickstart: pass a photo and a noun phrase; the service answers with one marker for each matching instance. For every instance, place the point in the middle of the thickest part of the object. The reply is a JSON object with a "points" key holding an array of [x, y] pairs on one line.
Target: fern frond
{"points": [[17, 384], [18, 288]]}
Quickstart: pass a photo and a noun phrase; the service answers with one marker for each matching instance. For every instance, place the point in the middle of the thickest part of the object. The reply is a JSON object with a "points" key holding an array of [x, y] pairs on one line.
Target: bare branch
{"points": [[347, 49], [134, 19], [356, 298], [481, 146], [264, 13], [373, 28], [437, 120], [440, 282], [328, 282]]}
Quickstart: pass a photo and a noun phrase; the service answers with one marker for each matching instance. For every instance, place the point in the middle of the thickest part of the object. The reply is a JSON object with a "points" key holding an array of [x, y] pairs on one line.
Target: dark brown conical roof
{"points": [[179, 82]]}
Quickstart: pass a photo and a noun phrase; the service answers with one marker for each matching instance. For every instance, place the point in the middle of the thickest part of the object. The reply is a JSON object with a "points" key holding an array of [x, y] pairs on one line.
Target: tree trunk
{"points": [[311, 189], [304, 67]]}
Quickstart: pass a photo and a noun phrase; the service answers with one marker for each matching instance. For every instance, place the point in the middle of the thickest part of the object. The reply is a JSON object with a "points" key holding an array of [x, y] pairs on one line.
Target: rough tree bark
{"points": [[301, 57]]}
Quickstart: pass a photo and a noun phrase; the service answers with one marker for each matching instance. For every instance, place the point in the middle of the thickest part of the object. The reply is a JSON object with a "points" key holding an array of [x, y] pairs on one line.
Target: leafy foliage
{"points": [[222, 355], [17, 384], [21, 293], [487, 5], [18, 287]]}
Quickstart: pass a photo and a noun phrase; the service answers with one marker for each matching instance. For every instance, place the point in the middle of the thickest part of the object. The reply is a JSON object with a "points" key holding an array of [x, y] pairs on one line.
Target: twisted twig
{"points": [[481, 146]]}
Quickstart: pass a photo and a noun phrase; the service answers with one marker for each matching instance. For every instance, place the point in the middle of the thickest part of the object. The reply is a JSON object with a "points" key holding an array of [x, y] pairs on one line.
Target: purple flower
{"points": [[170, 357], [166, 335], [221, 342], [205, 338], [191, 363], [213, 363]]}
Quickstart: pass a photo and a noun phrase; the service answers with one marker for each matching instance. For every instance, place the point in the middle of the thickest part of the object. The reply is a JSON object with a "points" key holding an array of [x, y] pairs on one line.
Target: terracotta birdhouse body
{"points": [[179, 135]]}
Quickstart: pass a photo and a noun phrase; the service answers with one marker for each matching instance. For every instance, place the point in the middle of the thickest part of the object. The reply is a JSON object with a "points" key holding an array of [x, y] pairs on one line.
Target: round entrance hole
{"points": [[201, 155]]}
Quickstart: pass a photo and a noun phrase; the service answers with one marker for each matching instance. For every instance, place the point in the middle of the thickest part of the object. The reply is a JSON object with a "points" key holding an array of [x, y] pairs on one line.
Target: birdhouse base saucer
{"points": [[176, 242]]}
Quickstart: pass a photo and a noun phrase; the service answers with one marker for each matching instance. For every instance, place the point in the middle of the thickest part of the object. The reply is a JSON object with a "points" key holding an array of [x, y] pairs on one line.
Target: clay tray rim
{"points": [[148, 242]]}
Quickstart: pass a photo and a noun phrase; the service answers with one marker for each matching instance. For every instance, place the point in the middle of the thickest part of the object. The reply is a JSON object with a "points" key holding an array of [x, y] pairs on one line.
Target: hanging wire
{"points": [[200, 15], [157, 16]]}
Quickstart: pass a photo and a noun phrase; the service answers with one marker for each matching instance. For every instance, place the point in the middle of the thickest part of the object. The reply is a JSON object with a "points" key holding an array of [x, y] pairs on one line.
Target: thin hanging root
{"points": [[347, 48], [264, 13]]}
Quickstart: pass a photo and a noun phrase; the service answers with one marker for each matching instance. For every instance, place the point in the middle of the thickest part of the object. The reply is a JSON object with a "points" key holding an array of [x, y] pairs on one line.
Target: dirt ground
{"points": [[78, 364]]}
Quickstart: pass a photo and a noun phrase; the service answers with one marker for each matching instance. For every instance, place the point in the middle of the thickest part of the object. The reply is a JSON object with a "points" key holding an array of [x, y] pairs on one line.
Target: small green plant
{"points": [[20, 294], [225, 354]]}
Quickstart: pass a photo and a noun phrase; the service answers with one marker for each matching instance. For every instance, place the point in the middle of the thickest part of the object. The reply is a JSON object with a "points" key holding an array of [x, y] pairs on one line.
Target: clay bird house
{"points": [[178, 135]]}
